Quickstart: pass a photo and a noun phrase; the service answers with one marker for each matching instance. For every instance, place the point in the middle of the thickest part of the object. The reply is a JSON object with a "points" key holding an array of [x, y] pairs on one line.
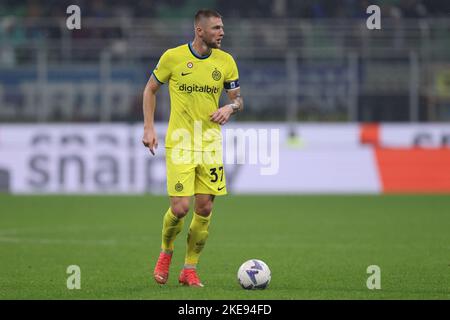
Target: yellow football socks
{"points": [[172, 226], [198, 233]]}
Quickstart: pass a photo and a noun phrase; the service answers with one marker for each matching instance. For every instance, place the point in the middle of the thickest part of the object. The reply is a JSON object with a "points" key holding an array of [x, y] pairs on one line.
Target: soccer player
{"points": [[197, 73]]}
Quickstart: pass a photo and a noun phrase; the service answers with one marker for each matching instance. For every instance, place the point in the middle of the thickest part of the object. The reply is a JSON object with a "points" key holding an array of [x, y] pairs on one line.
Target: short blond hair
{"points": [[206, 13]]}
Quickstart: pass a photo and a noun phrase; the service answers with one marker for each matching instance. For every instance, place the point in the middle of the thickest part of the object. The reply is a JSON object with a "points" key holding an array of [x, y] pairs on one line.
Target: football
{"points": [[254, 274]]}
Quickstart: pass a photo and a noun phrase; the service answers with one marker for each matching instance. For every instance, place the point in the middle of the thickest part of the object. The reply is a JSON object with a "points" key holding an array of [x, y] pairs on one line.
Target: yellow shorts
{"points": [[192, 172]]}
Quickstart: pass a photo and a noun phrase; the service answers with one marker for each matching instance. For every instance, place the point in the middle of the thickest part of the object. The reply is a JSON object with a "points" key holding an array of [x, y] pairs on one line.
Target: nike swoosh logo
{"points": [[218, 189], [185, 74]]}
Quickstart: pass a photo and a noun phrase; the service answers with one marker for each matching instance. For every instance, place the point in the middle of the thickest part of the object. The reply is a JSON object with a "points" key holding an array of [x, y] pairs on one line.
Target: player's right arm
{"points": [[160, 75], [150, 139]]}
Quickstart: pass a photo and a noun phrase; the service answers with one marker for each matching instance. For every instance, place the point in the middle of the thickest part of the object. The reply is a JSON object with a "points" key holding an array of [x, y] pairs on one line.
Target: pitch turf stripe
{"points": [[58, 241]]}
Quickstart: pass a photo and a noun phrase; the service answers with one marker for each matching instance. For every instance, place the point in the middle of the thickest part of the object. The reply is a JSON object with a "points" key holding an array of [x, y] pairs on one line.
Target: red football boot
{"points": [[161, 272], [189, 277]]}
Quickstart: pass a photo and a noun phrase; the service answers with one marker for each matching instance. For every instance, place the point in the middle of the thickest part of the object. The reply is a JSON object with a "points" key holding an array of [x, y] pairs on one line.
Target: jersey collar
{"points": [[195, 54]]}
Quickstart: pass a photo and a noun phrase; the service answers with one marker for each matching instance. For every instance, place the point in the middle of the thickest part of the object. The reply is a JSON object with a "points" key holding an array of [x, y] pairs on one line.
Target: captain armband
{"points": [[231, 85]]}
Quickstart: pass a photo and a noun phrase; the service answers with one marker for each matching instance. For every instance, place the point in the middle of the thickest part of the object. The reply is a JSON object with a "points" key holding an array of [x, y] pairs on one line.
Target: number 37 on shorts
{"points": [[186, 178]]}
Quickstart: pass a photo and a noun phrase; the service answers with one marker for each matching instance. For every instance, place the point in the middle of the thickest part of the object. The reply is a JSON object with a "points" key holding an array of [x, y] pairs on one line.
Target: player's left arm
{"points": [[222, 115]]}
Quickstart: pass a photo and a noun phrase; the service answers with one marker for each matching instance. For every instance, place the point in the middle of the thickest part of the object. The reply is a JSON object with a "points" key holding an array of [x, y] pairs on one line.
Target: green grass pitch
{"points": [[318, 247]]}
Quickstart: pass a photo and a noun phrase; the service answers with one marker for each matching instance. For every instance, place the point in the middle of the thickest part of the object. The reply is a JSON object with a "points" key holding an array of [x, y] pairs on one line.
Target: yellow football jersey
{"points": [[195, 85]]}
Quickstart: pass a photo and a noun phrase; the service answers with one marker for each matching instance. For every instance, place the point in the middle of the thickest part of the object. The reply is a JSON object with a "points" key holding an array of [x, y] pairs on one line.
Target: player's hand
{"points": [[222, 115], [150, 140]]}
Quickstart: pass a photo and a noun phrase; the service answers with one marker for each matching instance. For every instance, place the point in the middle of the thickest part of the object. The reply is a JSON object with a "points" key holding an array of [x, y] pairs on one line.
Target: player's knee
{"points": [[180, 209], [204, 209]]}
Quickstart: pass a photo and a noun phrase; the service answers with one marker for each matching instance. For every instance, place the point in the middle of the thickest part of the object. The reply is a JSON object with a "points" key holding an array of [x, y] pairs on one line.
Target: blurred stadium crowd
{"points": [[315, 60], [228, 8], [25, 20]]}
